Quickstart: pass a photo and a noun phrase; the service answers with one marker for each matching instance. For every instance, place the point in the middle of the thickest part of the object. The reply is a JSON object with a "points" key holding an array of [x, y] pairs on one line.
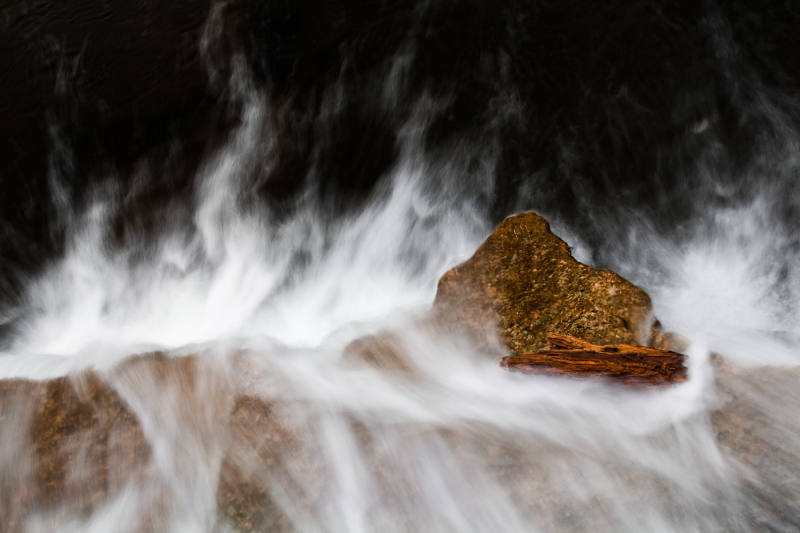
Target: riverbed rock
{"points": [[72, 441], [383, 351], [756, 425], [72, 445], [254, 455], [523, 284]]}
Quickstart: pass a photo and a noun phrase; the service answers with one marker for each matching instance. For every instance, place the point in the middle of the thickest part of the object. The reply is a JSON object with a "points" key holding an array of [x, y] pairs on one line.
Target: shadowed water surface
{"points": [[267, 182]]}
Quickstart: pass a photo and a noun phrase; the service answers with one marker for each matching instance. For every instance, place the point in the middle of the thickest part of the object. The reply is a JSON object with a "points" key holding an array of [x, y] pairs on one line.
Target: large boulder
{"points": [[523, 284]]}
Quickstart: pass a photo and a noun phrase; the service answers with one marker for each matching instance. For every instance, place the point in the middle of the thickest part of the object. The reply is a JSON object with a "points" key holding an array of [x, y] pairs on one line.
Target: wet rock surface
{"points": [[71, 445], [523, 284], [77, 442], [755, 426], [383, 351], [257, 439], [74, 442], [520, 290]]}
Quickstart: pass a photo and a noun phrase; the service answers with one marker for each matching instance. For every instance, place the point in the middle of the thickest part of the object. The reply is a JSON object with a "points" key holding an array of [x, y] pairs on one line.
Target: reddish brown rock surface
{"points": [[384, 351], [523, 287], [755, 424], [76, 442], [257, 440], [523, 284]]}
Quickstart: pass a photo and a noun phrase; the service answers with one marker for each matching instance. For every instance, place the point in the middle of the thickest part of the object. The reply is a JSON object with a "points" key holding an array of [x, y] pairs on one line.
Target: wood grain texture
{"points": [[573, 356]]}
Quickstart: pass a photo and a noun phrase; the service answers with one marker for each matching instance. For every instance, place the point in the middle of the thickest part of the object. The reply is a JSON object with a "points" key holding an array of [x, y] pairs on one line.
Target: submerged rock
{"points": [[257, 439], [71, 446], [81, 441], [74, 442], [755, 425], [383, 351], [523, 284]]}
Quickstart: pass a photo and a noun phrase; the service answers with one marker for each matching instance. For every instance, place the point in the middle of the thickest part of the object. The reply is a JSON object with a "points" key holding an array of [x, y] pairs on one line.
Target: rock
{"points": [[76, 442], [523, 284], [521, 289], [756, 427], [257, 439], [383, 351]]}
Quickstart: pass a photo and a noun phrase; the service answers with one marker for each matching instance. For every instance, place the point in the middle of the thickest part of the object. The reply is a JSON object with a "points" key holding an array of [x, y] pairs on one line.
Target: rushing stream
{"points": [[301, 174]]}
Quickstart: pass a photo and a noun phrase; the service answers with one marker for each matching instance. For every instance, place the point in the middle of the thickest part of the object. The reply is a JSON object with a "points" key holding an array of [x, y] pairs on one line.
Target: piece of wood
{"points": [[630, 364]]}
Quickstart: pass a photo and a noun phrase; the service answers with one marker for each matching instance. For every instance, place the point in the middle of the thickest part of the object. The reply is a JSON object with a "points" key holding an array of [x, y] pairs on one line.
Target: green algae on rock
{"points": [[523, 284]]}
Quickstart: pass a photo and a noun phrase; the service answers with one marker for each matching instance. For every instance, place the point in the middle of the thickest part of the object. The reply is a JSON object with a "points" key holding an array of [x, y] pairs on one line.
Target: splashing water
{"points": [[460, 445]]}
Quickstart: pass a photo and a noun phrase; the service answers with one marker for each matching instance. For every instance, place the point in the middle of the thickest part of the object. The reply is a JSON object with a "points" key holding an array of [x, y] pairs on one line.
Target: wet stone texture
{"points": [[755, 425], [70, 446], [69, 441], [77, 442], [521, 289], [83, 422], [523, 284], [257, 441], [383, 351]]}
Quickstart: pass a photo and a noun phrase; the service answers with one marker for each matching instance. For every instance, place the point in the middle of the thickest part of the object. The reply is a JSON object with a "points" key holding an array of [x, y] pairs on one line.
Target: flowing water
{"points": [[341, 159]]}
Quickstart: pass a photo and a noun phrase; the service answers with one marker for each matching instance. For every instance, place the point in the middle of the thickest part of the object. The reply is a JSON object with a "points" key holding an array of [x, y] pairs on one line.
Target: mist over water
{"points": [[285, 280]]}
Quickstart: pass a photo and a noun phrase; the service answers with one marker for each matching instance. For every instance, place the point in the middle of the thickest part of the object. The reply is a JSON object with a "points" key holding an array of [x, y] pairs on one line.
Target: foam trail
{"points": [[460, 445], [238, 275]]}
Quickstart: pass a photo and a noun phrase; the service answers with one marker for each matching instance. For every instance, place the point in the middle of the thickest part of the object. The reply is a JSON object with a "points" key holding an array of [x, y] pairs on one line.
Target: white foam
{"points": [[466, 446]]}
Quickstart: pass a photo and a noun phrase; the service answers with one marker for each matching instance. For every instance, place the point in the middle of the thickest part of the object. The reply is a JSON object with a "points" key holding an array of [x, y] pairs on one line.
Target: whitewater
{"points": [[463, 446]]}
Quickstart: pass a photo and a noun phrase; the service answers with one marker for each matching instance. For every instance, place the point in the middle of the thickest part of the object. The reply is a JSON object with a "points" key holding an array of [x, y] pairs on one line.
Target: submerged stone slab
{"points": [[74, 442], [72, 445], [755, 425], [383, 351]]}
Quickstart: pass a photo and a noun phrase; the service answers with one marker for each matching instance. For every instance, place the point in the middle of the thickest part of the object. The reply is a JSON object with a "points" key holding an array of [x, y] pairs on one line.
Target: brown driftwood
{"points": [[630, 364]]}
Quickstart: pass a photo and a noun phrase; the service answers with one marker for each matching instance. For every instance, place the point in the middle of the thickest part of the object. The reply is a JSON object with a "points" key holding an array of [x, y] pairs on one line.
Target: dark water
{"points": [[595, 112], [292, 173]]}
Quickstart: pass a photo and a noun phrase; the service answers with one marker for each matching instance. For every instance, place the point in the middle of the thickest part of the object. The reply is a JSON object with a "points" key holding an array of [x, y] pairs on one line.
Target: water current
{"points": [[685, 184]]}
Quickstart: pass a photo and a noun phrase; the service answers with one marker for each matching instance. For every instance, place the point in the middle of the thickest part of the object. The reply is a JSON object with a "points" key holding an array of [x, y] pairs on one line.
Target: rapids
{"points": [[222, 268]]}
